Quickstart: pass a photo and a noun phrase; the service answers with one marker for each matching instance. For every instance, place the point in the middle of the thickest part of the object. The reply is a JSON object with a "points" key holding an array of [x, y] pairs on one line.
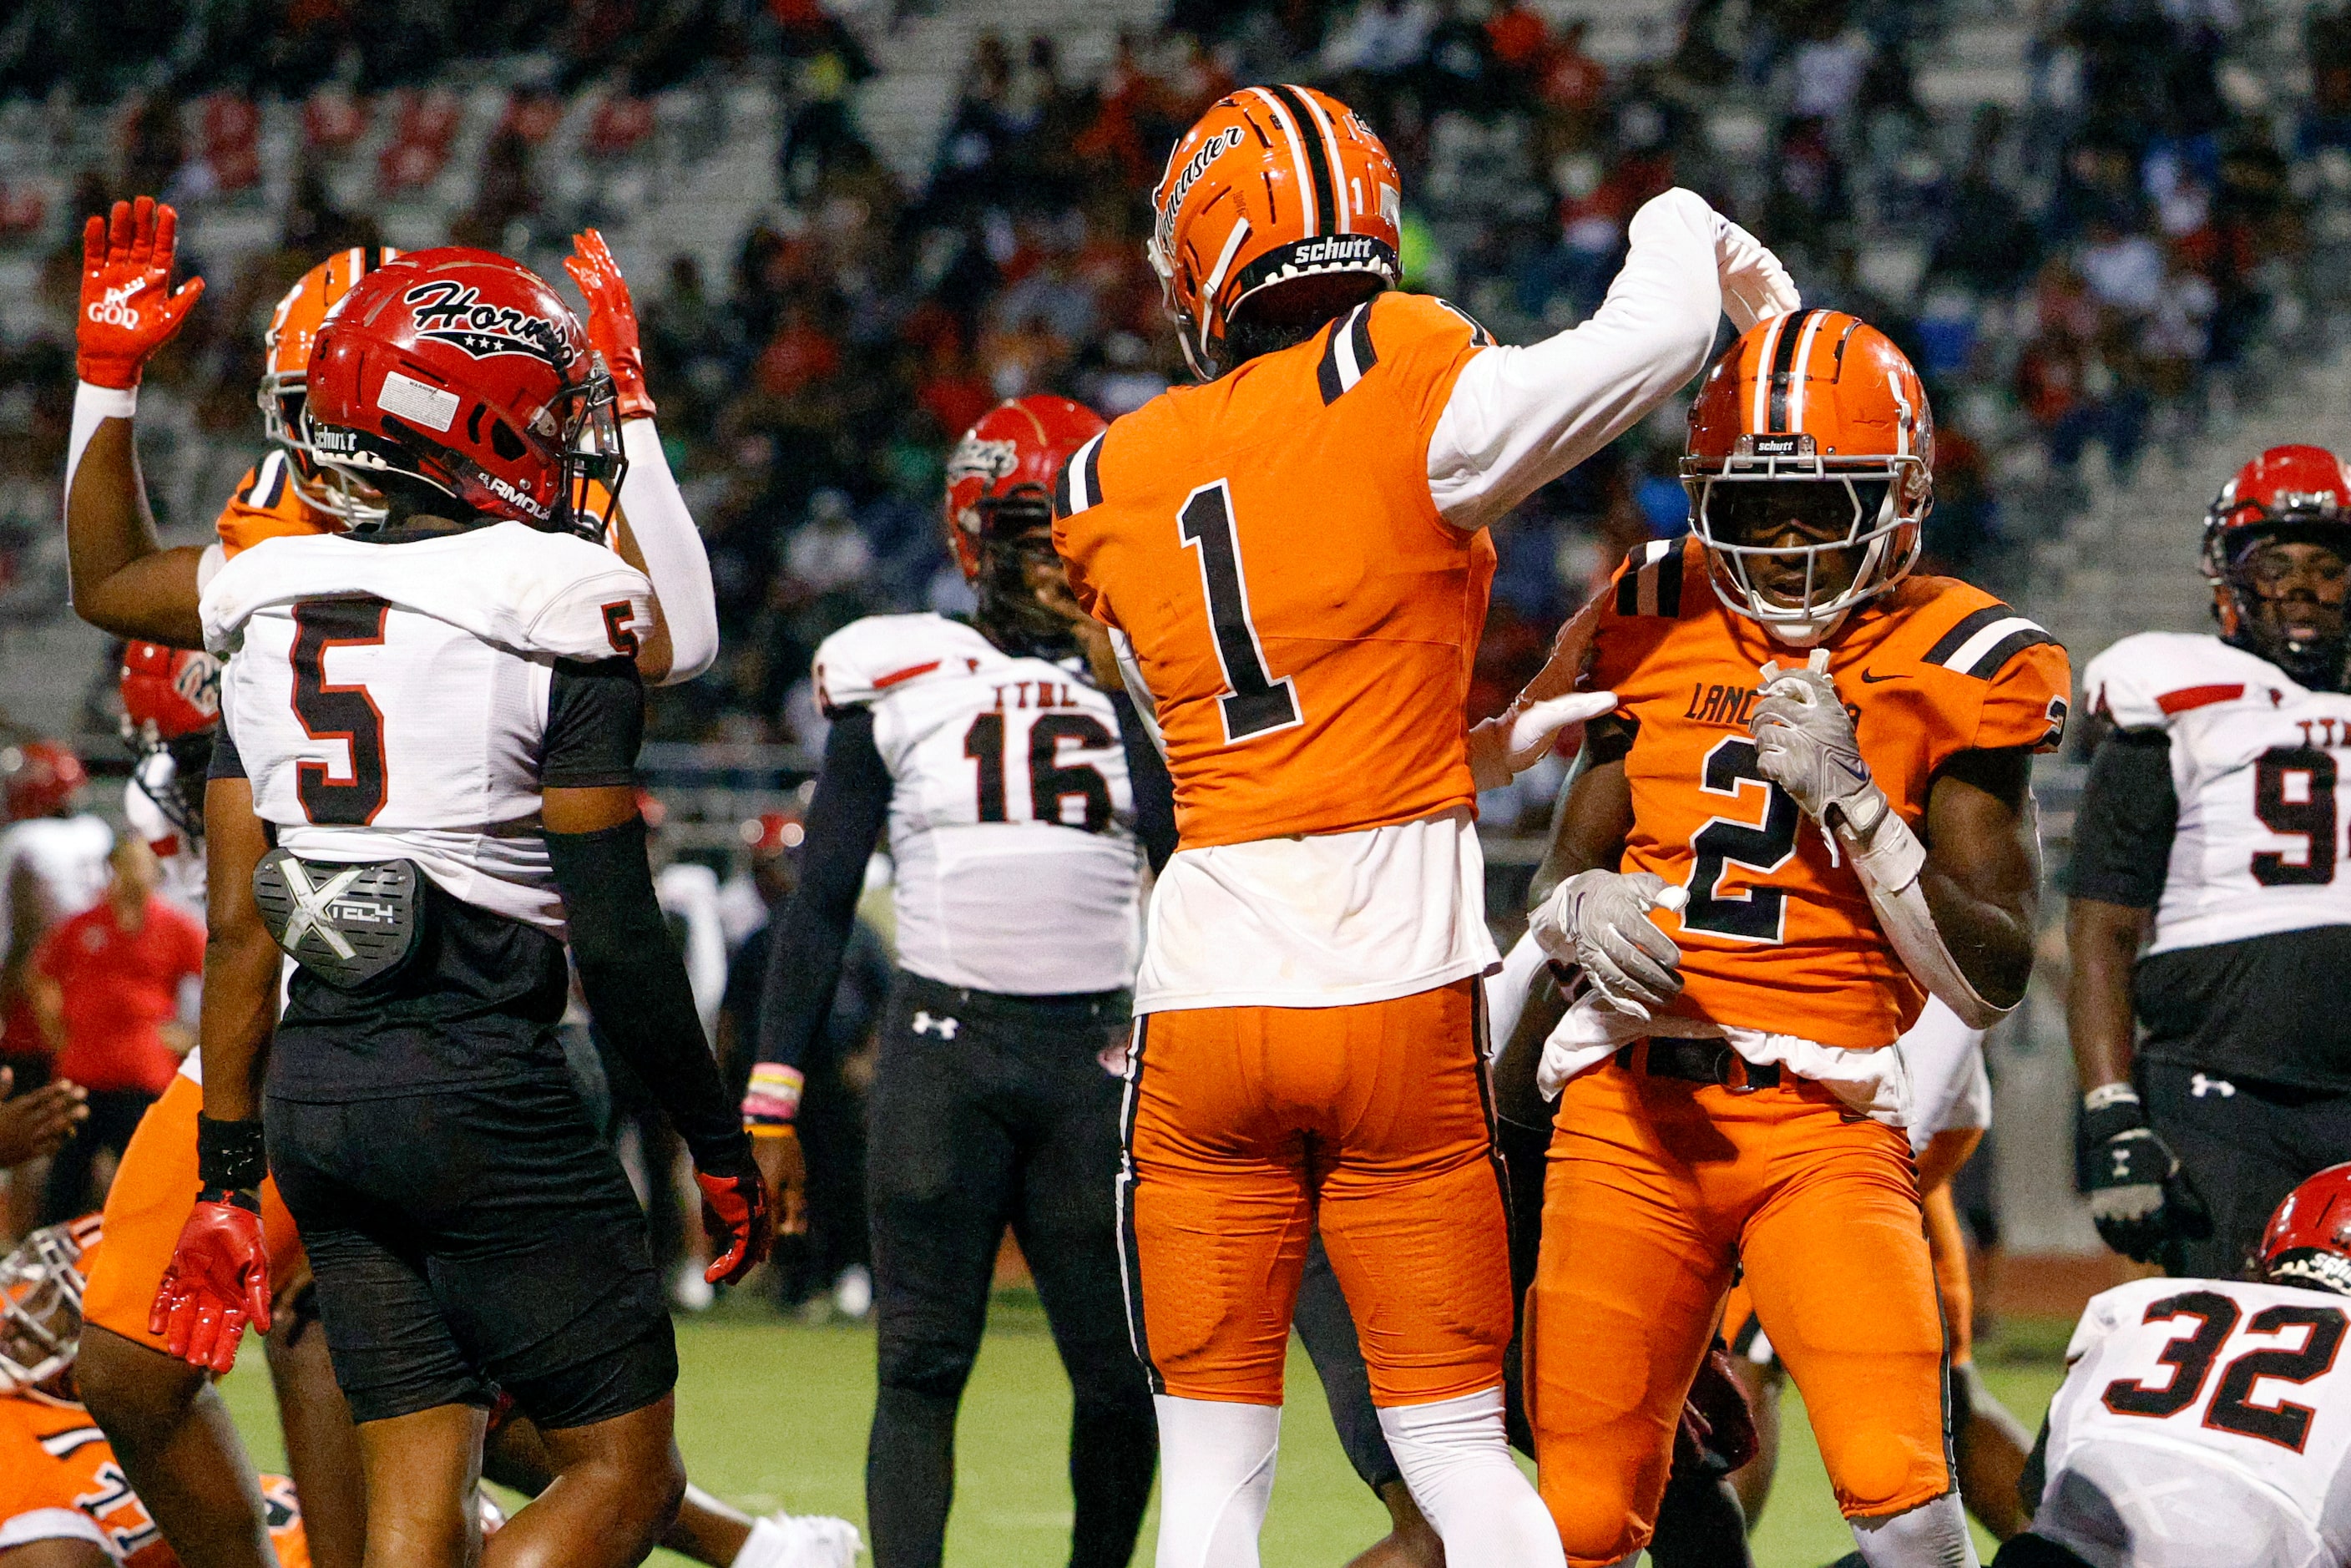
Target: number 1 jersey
{"points": [[1779, 933]]}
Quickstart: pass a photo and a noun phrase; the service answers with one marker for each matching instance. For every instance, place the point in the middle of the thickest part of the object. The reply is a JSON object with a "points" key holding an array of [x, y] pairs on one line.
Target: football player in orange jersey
{"points": [[1811, 808], [1294, 566]]}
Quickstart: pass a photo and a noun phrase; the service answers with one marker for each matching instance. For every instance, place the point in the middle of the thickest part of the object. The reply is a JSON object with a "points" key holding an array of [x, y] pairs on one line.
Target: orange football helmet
{"points": [[1273, 185], [41, 1286], [1815, 397], [285, 379]]}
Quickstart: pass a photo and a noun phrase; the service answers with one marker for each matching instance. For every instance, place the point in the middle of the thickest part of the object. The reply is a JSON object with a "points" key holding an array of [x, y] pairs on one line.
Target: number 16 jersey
{"points": [[1778, 934]]}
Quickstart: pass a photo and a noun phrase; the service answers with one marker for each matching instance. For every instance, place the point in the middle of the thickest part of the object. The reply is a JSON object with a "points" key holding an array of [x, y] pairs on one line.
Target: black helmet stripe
{"points": [[1783, 359], [1318, 158]]}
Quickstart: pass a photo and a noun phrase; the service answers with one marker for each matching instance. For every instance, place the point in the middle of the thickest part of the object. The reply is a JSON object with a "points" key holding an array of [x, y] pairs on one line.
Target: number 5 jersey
{"points": [[1778, 934], [2213, 803]]}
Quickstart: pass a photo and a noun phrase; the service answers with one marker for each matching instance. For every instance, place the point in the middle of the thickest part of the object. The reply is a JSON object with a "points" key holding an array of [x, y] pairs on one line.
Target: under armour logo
{"points": [[2122, 1163], [310, 911], [2200, 1086], [925, 1023]]}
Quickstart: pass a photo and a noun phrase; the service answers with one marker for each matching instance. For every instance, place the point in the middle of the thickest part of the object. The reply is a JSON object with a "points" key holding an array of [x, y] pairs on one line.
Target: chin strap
{"points": [[1888, 858]]}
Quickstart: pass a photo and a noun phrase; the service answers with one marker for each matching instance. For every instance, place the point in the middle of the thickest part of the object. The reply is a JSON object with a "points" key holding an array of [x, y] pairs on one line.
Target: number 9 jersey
{"points": [[1777, 933]]}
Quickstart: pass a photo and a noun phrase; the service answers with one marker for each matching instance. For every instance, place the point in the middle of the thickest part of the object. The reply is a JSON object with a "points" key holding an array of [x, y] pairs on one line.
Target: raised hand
{"points": [[611, 322], [129, 308], [217, 1281]]}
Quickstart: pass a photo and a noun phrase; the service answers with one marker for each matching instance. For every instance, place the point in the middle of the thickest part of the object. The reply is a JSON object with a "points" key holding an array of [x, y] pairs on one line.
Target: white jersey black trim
{"points": [[1651, 583], [1982, 644], [1079, 485], [1347, 354]]}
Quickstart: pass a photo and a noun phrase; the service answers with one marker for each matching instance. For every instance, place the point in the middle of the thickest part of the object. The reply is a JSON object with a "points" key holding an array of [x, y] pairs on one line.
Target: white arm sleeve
{"points": [[1889, 867], [674, 558], [1506, 989], [92, 407], [1520, 417]]}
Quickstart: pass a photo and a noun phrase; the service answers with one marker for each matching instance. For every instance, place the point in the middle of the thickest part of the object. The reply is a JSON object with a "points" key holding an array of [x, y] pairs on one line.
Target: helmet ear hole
{"points": [[505, 443]]}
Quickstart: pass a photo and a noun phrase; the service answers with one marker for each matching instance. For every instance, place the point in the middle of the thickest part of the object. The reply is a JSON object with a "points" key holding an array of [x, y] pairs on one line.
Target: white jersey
{"points": [[1011, 815], [2203, 1422], [2254, 761], [66, 854], [391, 700]]}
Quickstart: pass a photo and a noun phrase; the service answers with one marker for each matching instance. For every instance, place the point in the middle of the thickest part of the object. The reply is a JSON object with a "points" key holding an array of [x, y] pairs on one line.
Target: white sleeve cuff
{"points": [[674, 558], [93, 406]]}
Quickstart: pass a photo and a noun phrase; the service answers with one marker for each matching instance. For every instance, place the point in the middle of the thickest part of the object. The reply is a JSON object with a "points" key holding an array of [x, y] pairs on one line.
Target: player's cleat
{"points": [[804, 1541]]}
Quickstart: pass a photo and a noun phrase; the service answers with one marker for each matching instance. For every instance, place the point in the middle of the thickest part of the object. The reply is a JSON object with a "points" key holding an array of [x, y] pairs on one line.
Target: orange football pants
{"points": [[154, 1190], [1657, 1190], [1247, 1127]]}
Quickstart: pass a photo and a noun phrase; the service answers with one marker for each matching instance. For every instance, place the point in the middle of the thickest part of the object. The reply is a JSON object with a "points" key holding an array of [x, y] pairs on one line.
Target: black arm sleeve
{"points": [[853, 802], [636, 986], [2123, 831], [226, 763], [595, 723], [1155, 791]]}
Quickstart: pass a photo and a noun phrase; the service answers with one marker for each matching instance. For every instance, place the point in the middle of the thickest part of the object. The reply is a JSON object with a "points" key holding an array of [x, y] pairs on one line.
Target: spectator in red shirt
{"points": [[106, 987]]}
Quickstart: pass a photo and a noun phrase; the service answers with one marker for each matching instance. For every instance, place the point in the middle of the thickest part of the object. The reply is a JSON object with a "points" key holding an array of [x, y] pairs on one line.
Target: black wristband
{"points": [[230, 1154], [235, 1198], [2111, 1119]]}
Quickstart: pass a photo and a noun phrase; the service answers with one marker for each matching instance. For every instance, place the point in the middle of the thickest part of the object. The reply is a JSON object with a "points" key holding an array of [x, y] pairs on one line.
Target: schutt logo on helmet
{"points": [[453, 313]]}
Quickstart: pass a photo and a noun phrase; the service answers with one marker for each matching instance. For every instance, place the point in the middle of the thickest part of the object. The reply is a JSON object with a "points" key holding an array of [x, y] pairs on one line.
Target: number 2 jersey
{"points": [[2202, 1422], [1778, 934], [2213, 801]]}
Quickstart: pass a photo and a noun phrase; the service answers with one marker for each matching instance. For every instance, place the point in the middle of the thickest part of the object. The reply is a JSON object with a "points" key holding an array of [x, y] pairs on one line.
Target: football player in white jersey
{"points": [[423, 785], [2211, 917], [2206, 1422], [997, 759]]}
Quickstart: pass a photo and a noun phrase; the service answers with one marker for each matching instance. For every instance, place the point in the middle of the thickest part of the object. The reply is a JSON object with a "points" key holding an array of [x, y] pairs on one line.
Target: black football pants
{"points": [[2245, 1145], [991, 1111]]}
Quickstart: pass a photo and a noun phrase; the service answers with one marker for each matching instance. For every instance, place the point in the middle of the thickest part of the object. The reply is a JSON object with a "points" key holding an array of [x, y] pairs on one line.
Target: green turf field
{"points": [[773, 1413]]}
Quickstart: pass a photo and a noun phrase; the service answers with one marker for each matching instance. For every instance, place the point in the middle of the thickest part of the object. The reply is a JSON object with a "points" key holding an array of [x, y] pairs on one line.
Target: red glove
{"points": [[217, 1281], [611, 322], [735, 1214], [128, 308]]}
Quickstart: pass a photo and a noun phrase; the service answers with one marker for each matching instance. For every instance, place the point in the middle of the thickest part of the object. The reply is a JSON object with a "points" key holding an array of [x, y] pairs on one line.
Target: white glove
{"points": [[1755, 287], [1504, 747], [1598, 921], [1804, 743]]}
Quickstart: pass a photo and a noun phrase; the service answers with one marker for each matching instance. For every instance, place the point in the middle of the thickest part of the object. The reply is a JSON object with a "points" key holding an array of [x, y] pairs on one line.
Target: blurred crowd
{"points": [[2089, 271]]}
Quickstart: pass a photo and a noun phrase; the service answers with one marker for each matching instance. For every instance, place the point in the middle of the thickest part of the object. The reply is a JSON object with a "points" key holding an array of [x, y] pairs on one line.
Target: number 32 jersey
{"points": [[2203, 1422], [994, 759], [1777, 934]]}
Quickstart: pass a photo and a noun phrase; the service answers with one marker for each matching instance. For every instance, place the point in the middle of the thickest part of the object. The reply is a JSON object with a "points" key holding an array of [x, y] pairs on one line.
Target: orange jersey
{"points": [[1302, 617], [269, 504], [59, 1480], [1776, 935]]}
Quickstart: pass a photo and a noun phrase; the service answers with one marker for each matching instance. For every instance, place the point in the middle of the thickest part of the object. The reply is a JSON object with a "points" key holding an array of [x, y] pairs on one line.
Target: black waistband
{"points": [[1701, 1061], [1064, 1006]]}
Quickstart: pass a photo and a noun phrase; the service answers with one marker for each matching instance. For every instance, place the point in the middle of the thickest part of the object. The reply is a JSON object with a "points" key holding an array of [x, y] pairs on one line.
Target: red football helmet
{"points": [[464, 369], [44, 779], [2290, 493], [168, 692], [1273, 185], [1006, 464], [2309, 1238], [171, 703]]}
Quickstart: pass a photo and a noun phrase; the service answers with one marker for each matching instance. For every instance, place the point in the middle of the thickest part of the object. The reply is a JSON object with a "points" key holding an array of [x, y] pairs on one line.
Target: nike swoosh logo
{"points": [[1872, 678]]}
